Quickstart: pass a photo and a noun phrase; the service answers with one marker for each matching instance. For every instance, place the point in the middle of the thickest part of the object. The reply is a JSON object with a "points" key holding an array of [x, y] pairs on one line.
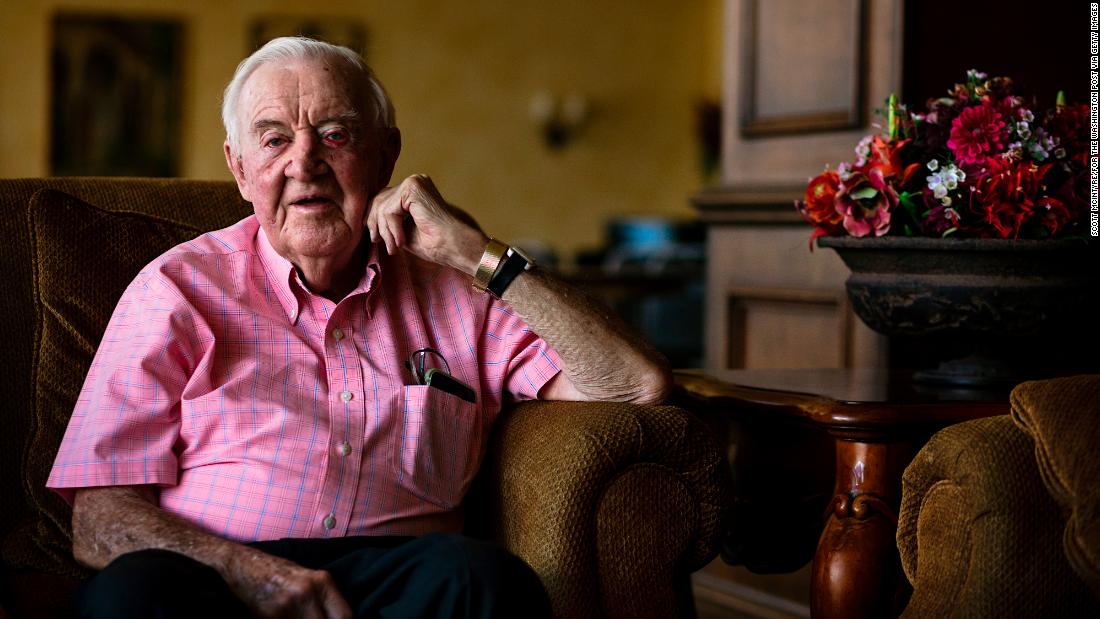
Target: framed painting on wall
{"points": [[116, 91], [804, 66], [346, 31]]}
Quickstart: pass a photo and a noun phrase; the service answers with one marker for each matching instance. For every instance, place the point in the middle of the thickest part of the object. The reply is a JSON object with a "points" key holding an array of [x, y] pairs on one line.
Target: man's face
{"points": [[310, 159]]}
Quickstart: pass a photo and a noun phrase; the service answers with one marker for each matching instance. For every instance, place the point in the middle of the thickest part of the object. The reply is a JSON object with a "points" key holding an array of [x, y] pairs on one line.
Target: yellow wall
{"points": [[462, 75]]}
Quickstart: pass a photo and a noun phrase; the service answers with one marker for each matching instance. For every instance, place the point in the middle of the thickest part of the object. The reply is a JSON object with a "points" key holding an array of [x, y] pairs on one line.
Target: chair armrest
{"points": [[1059, 415], [608, 502], [978, 533]]}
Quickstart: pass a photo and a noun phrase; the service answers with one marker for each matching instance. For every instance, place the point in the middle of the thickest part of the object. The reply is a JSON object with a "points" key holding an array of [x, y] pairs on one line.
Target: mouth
{"points": [[312, 201]]}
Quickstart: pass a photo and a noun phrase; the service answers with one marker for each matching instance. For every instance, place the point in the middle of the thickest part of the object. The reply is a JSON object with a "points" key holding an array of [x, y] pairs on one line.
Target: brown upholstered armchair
{"points": [[613, 505], [1000, 517]]}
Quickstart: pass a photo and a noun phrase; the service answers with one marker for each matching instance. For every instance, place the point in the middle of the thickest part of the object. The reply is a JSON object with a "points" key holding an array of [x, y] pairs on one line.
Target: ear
{"points": [[234, 162], [391, 149]]}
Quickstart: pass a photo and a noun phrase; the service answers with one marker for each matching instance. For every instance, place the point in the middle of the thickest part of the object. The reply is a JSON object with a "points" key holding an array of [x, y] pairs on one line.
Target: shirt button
{"points": [[329, 522], [346, 396], [337, 334], [344, 449]]}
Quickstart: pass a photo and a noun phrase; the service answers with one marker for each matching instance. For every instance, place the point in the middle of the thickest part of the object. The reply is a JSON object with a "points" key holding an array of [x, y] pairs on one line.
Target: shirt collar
{"points": [[288, 286]]}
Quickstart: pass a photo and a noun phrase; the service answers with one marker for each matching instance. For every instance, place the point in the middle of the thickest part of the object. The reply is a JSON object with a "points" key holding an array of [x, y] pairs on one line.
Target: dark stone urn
{"points": [[1003, 310]]}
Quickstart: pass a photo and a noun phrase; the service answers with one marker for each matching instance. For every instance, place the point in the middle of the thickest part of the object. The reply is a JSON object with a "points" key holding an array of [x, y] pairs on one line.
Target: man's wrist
{"points": [[514, 263], [499, 266], [489, 263]]}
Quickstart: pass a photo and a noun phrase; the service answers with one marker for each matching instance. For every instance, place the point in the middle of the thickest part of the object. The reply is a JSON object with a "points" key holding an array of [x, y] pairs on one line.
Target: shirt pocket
{"points": [[440, 445]]}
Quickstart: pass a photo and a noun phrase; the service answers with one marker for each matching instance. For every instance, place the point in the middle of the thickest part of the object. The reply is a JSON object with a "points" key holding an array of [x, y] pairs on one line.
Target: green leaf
{"points": [[906, 202], [949, 231]]}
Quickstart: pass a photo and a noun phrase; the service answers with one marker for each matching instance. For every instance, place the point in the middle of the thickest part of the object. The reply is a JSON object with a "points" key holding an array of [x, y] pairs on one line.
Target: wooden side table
{"points": [[878, 421]]}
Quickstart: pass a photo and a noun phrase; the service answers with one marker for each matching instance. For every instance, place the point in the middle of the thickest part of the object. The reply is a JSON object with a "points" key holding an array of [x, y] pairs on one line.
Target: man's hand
{"points": [[415, 217], [111, 521], [274, 587], [603, 359]]}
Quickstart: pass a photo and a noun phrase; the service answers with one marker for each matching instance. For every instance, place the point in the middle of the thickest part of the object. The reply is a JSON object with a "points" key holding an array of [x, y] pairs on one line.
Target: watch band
{"points": [[515, 262], [490, 262]]}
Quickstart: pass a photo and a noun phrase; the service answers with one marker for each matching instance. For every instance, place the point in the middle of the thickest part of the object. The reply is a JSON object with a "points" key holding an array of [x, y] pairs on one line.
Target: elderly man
{"points": [[283, 416]]}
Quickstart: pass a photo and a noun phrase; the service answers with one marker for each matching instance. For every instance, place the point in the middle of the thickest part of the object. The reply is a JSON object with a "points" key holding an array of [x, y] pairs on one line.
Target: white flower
{"points": [[933, 165], [1060, 153], [863, 150], [951, 176], [976, 75], [945, 181], [1026, 114], [844, 171], [1023, 129]]}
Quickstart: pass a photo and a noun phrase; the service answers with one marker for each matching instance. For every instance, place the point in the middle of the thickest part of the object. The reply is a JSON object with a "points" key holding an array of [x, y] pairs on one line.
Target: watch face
{"points": [[523, 254]]}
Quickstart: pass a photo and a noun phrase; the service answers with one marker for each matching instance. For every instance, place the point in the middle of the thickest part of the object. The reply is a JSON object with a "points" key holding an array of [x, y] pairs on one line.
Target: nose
{"points": [[306, 161]]}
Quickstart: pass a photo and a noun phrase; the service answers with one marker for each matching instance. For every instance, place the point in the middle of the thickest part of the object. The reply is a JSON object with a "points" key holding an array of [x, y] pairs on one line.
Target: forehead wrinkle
{"points": [[287, 96]]}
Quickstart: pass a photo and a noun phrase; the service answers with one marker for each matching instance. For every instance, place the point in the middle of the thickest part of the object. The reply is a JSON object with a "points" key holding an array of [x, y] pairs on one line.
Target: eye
{"points": [[336, 137], [274, 142]]}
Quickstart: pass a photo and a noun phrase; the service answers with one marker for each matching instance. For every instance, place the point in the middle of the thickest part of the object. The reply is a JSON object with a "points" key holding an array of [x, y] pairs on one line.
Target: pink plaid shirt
{"points": [[263, 411]]}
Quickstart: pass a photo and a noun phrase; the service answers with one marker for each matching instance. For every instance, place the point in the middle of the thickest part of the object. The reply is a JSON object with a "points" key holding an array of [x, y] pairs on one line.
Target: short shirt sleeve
{"points": [[125, 425], [526, 360]]}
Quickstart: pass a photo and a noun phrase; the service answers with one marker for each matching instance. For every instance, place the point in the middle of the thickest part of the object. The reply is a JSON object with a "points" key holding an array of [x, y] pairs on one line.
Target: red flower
{"points": [[1054, 215], [884, 156], [819, 209], [866, 201], [1009, 197], [977, 133]]}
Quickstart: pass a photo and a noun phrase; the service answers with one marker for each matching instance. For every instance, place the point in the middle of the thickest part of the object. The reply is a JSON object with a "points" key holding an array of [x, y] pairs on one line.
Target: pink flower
{"points": [[865, 203], [977, 133]]}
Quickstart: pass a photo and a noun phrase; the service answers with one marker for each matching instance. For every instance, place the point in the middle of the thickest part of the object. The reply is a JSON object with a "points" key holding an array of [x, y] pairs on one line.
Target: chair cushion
{"points": [[1063, 416], [84, 259]]}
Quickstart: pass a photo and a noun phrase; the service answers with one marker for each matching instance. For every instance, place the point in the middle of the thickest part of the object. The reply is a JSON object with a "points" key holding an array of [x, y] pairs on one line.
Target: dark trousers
{"points": [[436, 575]]}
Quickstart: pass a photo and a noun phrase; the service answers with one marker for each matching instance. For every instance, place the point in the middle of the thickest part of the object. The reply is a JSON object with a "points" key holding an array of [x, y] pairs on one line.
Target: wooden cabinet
{"points": [[772, 302]]}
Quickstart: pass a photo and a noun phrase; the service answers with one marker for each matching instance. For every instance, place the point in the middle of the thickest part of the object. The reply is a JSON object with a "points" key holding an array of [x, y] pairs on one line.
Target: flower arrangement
{"points": [[978, 163]]}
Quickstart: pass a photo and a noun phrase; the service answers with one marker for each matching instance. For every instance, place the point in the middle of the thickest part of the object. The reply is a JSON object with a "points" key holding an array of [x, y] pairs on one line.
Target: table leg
{"points": [[856, 569]]}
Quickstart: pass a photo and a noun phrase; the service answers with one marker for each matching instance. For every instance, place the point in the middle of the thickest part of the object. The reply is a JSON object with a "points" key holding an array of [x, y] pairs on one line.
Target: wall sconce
{"points": [[559, 118]]}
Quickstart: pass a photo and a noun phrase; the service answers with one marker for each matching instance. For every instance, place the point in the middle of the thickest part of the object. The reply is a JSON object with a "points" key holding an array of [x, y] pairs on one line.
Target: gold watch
{"points": [[490, 261]]}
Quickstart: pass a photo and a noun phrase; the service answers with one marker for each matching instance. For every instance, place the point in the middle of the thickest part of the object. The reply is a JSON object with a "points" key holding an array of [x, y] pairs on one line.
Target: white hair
{"points": [[302, 48]]}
